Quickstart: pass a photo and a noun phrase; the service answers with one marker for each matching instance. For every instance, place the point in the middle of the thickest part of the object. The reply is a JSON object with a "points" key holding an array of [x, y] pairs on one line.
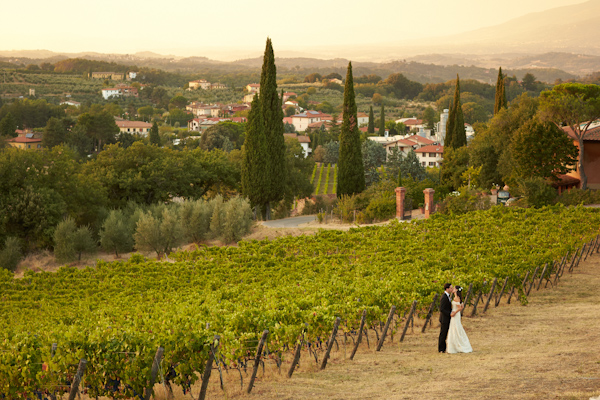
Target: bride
{"points": [[458, 342]]}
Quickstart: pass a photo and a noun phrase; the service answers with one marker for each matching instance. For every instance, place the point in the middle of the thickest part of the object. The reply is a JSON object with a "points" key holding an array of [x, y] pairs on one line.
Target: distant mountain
{"points": [[571, 29]]}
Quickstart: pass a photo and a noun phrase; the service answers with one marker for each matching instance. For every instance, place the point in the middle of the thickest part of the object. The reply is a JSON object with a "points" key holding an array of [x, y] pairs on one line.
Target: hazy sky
{"points": [[186, 27]]}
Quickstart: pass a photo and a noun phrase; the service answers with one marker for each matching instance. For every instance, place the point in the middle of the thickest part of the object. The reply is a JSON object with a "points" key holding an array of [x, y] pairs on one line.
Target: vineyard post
{"points": [[554, 267], [592, 244], [154, 372], [469, 292], [580, 255], [487, 303], [560, 268], [208, 369], [386, 327], [475, 305], [257, 360], [524, 284], [296, 359], [430, 312], [336, 324], [533, 279], [360, 332], [410, 315], [501, 292], [573, 260], [511, 293], [598, 245], [77, 379], [542, 277]]}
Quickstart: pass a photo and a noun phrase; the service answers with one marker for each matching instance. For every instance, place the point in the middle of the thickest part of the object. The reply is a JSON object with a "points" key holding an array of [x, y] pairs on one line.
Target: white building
{"points": [[441, 127], [303, 120], [304, 142], [431, 155], [199, 84], [107, 93]]}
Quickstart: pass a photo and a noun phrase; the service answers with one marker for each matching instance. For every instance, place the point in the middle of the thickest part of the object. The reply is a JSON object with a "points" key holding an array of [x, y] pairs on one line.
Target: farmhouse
{"points": [[304, 142], [431, 155], [591, 161], [26, 141], [115, 76], [134, 127]]}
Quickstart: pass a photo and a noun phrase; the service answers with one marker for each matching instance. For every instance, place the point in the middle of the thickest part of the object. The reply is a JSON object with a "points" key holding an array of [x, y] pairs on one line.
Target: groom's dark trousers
{"points": [[445, 310]]}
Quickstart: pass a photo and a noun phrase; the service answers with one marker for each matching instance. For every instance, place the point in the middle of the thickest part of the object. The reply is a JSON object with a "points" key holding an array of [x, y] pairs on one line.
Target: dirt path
{"points": [[548, 349]]}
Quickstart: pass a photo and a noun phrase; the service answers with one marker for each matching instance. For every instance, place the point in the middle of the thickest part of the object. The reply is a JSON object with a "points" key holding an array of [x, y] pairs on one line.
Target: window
{"points": [[432, 163], [423, 163], [433, 155]]}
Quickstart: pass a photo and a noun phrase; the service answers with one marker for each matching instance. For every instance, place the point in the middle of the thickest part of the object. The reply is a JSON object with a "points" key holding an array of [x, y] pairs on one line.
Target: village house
{"points": [[134, 127], [287, 95], [591, 161], [361, 117], [431, 155], [302, 121], [304, 142], [119, 91], [403, 145], [203, 110], [70, 103], [249, 97], [199, 84], [412, 124], [253, 88], [26, 140], [217, 86], [202, 124]]}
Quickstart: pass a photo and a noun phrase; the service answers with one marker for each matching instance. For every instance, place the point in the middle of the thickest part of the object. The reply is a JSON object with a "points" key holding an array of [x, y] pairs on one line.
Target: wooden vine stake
{"points": [[408, 319], [501, 292], [336, 324], [580, 255], [475, 305], [154, 372], [386, 327], [487, 303], [295, 360], [208, 369], [573, 260], [469, 293], [542, 277], [533, 279], [77, 379], [524, 284], [430, 312], [510, 295], [261, 344], [360, 332]]}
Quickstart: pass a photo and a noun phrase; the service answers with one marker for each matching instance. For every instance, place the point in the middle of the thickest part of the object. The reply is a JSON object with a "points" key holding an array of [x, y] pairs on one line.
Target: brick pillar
{"points": [[400, 193], [428, 201]]}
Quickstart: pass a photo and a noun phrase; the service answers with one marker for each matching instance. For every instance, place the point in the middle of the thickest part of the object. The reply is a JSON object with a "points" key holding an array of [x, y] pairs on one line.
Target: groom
{"points": [[445, 310]]}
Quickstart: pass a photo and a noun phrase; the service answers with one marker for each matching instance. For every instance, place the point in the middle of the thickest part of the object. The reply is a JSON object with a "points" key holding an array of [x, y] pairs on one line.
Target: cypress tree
{"points": [[272, 116], [500, 93], [382, 122], [254, 168], [351, 173], [154, 137], [371, 126], [456, 135]]}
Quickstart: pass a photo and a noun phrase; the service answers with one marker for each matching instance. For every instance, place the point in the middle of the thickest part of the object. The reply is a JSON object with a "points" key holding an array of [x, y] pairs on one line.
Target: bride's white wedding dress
{"points": [[458, 342]]}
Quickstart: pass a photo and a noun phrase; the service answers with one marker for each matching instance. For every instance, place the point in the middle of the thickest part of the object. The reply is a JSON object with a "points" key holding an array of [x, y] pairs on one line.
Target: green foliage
{"points": [[455, 164], [83, 242], [332, 153], [537, 192], [8, 126], [11, 254], [455, 129], [237, 221], [381, 130], [332, 273], [225, 135], [576, 197], [468, 200], [217, 220], [30, 113], [195, 219], [402, 87], [158, 234], [64, 247], [254, 169], [116, 234], [154, 137], [500, 101], [371, 126], [351, 178], [411, 166], [373, 155]]}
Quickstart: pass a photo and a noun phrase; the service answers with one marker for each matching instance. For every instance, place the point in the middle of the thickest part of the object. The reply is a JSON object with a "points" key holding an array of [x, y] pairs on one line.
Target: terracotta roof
{"points": [[420, 139], [254, 84], [591, 134], [565, 180], [300, 138], [22, 139], [431, 149], [403, 142]]}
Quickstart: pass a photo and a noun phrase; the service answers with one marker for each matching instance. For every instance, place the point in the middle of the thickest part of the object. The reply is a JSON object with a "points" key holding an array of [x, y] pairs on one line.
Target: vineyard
{"points": [[116, 315], [324, 179]]}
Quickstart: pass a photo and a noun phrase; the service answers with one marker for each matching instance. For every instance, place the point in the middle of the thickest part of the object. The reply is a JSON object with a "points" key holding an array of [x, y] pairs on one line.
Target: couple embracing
{"points": [[452, 330]]}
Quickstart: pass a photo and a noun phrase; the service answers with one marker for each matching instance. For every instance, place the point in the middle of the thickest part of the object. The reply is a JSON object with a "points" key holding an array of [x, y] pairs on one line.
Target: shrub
{"points": [[116, 234], [195, 219], [575, 197], [464, 202], [83, 242], [218, 217], [11, 254], [537, 192], [158, 234], [381, 207], [238, 219], [64, 249]]}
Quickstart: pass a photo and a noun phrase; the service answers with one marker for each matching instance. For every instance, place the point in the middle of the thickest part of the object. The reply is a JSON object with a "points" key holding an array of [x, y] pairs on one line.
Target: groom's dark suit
{"points": [[445, 310]]}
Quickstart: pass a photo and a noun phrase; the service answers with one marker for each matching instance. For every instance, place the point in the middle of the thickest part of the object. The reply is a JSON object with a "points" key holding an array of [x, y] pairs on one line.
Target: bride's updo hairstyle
{"points": [[459, 292]]}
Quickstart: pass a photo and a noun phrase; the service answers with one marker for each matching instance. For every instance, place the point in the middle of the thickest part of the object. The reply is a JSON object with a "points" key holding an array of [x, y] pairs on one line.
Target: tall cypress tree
{"points": [[154, 136], [500, 93], [371, 126], [272, 115], [382, 122], [254, 168], [456, 136], [351, 172]]}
